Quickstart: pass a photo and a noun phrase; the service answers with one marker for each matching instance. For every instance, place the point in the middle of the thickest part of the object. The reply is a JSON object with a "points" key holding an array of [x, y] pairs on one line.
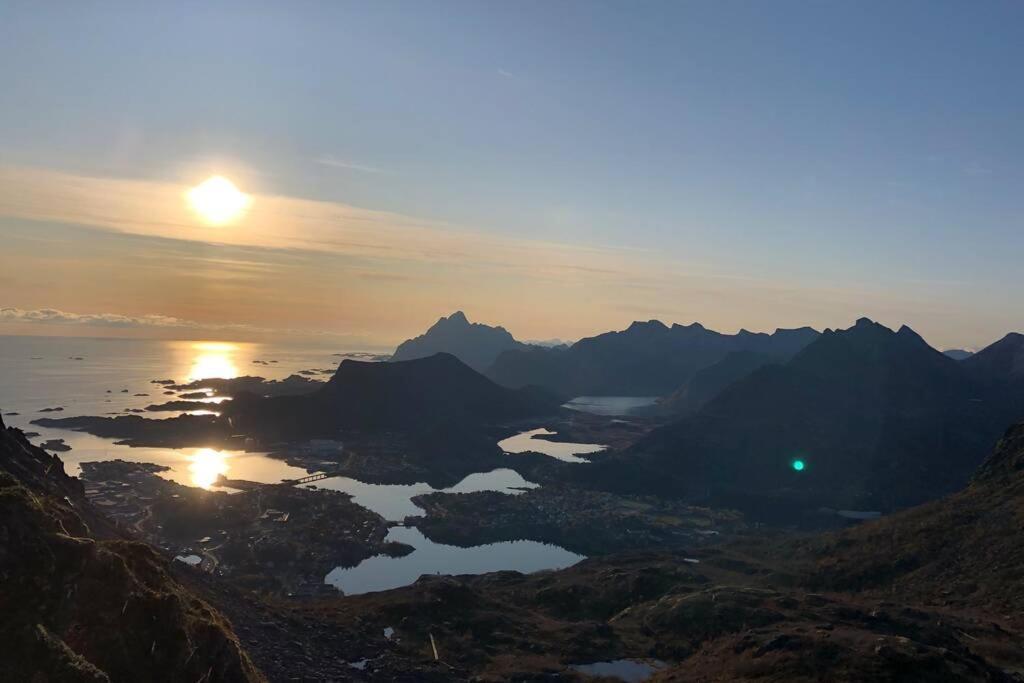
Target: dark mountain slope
{"points": [[709, 382], [879, 419], [647, 359], [475, 344], [80, 604], [1002, 360], [416, 395], [966, 550]]}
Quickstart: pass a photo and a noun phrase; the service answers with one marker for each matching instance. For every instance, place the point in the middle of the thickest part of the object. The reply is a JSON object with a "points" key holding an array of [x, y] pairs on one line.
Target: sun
{"points": [[217, 200]]}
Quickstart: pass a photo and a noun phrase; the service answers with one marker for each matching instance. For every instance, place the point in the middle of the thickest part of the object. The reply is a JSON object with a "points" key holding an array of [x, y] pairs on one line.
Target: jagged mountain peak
{"points": [[476, 344], [456, 317], [649, 326]]}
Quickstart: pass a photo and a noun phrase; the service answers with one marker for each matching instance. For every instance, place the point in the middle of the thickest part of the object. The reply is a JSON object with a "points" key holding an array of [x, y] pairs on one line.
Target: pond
{"points": [[629, 670], [560, 450]]}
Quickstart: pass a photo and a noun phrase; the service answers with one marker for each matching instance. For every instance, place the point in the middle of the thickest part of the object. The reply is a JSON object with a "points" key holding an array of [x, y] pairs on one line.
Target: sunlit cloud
{"points": [[56, 317], [156, 209]]}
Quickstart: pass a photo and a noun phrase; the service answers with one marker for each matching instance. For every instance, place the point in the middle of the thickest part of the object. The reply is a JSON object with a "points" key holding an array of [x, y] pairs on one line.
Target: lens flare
{"points": [[798, 465]]}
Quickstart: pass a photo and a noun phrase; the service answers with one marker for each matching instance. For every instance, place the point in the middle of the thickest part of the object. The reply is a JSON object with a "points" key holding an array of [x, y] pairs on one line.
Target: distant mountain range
{"points": [[647, 359], [958, 354], [877, 419], [475, 344]]}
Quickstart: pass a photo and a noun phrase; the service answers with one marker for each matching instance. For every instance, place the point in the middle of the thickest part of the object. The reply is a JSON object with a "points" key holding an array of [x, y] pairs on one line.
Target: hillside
{"points": [[965, 550], [82, 604], [475, 344], [709, 382], [999, 361], [646, 359], [878, 419]]}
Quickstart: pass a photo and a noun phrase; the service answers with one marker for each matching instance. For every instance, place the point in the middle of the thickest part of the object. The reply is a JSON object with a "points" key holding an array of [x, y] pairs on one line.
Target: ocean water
{"points": [[76, 374]]}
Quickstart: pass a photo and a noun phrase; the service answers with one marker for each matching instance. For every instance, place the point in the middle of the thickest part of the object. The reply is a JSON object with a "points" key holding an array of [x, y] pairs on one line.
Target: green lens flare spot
{"points": [[798, 465]]}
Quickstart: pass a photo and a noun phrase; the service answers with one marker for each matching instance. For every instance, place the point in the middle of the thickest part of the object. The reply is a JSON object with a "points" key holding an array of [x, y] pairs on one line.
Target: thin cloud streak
{"points": [[348, 165], [53, 316]]}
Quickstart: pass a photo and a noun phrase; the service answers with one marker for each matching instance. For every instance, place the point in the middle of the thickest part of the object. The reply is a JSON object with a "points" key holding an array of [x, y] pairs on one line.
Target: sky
{"points": [[558, 168]]}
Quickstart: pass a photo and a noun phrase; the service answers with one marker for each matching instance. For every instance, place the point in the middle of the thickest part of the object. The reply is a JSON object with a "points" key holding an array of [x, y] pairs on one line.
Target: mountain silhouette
{"points": [[878, 420], [646, 359], [475, 344], [966, 549], [408, 395], [1002, 360], [708, 382]]}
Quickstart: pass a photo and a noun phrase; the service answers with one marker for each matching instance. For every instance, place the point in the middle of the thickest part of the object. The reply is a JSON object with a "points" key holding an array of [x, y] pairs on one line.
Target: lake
{"points": [[381, 573], [611, 405], [560, 450], [393, 502]]}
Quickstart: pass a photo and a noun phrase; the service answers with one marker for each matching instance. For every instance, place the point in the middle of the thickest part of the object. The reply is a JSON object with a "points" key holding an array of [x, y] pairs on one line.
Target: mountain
{"points": [[646, 359], [878, 420], [958, 354], [414, 395], [709, 382], [475, 344], [1002, 360], [81, 603], [966, 550]]}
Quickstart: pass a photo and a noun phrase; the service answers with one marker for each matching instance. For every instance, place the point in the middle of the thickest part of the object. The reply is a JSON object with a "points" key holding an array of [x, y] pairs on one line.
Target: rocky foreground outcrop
{"points": [[80, 603]]}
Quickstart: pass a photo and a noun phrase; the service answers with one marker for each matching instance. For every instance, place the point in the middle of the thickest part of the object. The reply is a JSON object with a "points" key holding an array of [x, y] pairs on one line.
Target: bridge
{"points": [[311, 478]]}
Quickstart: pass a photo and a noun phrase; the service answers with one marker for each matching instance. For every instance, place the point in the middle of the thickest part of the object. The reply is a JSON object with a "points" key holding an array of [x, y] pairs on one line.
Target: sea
{"points": [[71, 376]]}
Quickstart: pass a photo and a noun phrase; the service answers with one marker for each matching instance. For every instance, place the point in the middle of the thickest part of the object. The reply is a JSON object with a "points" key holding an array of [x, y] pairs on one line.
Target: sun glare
{"points": [[217, 200], [205, 466], [213, 359]]}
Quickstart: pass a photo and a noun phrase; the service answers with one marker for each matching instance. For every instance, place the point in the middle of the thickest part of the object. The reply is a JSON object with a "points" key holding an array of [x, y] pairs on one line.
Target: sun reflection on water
{"points": [[205, 465], [213, 359]]}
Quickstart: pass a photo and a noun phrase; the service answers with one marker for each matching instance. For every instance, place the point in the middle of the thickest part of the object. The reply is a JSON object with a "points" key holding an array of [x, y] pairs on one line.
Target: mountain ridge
{"points": [[475, 344], [878, 419], [648, 358]]}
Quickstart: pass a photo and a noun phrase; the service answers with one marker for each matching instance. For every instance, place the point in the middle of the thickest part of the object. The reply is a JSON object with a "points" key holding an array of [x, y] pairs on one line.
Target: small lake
{"points": [[610, 405], [567, 452], [382, 573], [393, 502], [629, 670]]}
